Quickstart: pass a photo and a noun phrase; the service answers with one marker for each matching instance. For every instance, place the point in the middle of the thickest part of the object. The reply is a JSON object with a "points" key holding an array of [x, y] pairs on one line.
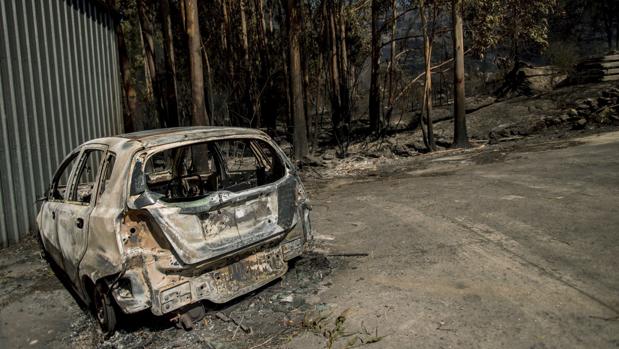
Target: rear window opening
{"points": [[197, 170]]}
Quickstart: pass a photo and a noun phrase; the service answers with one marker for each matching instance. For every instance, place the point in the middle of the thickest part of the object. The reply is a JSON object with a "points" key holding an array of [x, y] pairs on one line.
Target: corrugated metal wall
{"points": [[59, 87]]}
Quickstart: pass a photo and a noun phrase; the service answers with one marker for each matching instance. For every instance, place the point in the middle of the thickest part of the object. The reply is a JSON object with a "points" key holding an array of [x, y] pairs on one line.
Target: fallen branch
{"points": [[354, 254]]}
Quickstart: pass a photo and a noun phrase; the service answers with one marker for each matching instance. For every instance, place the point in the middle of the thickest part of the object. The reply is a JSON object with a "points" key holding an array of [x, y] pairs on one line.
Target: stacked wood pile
{"points": [[526, 79], [598, 69]]}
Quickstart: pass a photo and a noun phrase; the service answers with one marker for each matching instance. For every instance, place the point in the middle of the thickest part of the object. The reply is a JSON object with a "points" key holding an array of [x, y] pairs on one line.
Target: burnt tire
{"points": [[104, 311]]}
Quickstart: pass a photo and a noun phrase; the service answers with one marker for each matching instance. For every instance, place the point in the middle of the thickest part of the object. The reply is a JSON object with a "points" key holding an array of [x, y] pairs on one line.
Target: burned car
{"points": [[164, 219]]}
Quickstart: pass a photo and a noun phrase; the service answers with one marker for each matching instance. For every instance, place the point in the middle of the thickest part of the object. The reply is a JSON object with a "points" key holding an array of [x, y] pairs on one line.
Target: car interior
{"points": [[194, 171]]}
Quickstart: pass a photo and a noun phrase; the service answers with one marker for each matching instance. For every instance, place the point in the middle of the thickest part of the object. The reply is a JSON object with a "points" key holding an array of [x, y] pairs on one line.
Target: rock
{"points": [[383, 152], [580, 124], [582, 105], [572, 112], [602, 101], [400, 150], [592, 103], [604, 116], [564, 117], [501, 130], [328, 156], [288, 299], [311, 160]]}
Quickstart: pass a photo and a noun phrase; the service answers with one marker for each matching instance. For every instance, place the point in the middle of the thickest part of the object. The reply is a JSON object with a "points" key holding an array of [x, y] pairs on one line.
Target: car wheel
{"points": [[104, 310]]}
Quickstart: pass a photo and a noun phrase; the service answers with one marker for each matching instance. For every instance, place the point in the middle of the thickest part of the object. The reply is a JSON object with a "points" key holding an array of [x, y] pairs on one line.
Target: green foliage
{"points": [[509, 23]]}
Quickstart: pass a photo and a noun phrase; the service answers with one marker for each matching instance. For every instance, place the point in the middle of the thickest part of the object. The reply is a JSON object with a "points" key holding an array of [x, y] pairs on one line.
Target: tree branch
{"points": [[388, 21], [418, 36], [413, 81]]}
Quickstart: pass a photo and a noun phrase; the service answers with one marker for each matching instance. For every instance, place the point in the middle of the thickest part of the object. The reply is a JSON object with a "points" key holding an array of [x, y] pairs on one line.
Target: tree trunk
{"points": [[460, 137], [344, 74], [183, 11], [170, 90], [333, 61], [226, 43], [147, 31], [296, 80], [199, 116], [427, 90], [264, 41], [244, 35], [209, 88], [374, 101], [391, 72], [617, 27], [131, 120]]}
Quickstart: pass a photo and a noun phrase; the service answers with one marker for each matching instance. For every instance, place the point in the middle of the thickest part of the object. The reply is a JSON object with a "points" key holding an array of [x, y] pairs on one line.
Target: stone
{"points": [[572, 112], [328, 156], [400, 150], [580, 124]]}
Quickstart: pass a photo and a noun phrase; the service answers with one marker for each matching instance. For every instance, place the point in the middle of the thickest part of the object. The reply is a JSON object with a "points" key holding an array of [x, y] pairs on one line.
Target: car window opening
{"points": [[197, 170], [59, 186], [87, 175]]}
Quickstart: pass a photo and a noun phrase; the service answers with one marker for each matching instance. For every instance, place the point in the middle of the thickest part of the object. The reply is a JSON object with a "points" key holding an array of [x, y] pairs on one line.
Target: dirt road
{"points": [[479, 249]]}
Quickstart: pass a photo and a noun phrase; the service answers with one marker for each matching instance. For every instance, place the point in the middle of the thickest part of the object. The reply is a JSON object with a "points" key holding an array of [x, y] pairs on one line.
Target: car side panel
{"points": [[105, 255], [47, 222], [73, 239]]}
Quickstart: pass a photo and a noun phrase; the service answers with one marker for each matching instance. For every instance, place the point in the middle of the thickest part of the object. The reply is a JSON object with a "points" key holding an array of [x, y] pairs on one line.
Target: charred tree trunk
{"points": [[306, 85], [226, 44], [131, 120], [147, 31], [391, 71], [427, 90], [296, 80], [209, 88], [244, 33], [345, 106], [199, 116], [264, 84], [170, 64], [374, 101], [334, 72], [460, 137], [332, 78]]}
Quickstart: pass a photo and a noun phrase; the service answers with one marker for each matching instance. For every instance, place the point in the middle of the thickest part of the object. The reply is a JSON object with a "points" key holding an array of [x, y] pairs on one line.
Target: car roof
{"points": [[156, 137]]}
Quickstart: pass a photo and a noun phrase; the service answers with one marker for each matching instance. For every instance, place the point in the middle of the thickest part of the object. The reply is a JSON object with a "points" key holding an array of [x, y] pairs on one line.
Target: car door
{"points": [[58, 193], [74, 214]]}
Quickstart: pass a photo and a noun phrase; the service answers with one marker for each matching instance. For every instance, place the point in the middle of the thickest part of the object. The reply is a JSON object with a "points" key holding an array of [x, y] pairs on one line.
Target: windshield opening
{"points": [[194, 171]]}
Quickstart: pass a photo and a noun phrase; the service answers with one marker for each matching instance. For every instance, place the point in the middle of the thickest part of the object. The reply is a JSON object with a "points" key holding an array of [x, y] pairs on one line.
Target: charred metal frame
{"points": [[163, 256]]}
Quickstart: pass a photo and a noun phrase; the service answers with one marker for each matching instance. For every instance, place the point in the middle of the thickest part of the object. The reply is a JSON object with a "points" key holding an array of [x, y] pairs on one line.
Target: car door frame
{"points": [[48, 226], [74, 216]]}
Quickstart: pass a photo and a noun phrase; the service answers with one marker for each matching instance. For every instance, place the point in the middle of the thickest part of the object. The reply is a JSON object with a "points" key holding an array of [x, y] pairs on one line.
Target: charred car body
{"points": [[166, 218]]}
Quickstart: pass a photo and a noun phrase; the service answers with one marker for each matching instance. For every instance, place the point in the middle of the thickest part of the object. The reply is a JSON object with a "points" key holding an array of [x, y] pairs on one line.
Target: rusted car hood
{"points": [[225, 222]]}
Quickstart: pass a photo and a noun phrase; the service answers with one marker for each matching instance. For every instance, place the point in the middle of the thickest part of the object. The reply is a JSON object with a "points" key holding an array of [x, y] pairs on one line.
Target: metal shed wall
{"points": [[59, 86]]}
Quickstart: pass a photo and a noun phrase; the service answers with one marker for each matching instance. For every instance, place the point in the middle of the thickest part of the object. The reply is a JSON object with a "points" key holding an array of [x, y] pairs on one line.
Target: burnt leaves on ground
{"points": [[334, 330]]}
